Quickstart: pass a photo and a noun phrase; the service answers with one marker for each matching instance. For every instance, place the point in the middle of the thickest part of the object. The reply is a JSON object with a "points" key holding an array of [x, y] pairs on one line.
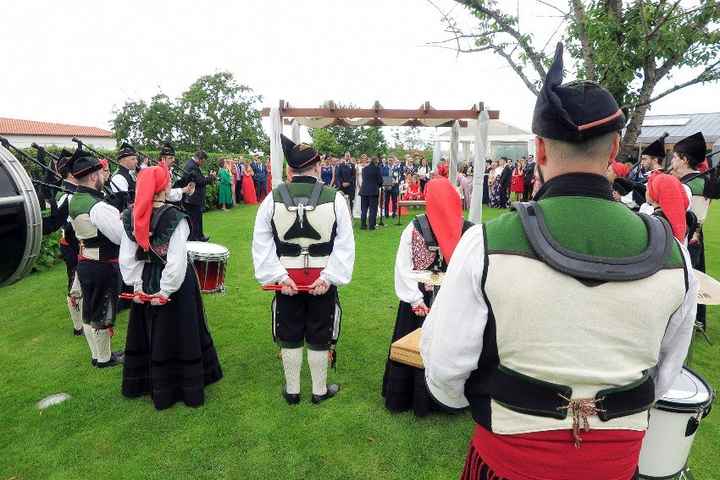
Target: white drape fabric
{"points": [[481, 139], [437, 154], [454, 137], [296, 131]]}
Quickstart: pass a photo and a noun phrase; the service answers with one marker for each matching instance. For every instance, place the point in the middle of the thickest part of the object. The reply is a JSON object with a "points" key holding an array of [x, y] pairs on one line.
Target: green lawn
{"points": [[245, 430]]}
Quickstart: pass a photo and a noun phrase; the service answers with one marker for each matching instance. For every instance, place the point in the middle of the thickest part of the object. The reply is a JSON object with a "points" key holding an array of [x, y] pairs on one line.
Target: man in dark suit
{"points": [[345, 179], [528, 176], [505, 178], [194, 203], [369, 190], [260, 174]]}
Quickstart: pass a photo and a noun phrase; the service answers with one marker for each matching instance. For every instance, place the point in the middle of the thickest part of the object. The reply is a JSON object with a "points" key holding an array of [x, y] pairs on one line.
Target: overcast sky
{"points": [[73, 61]]}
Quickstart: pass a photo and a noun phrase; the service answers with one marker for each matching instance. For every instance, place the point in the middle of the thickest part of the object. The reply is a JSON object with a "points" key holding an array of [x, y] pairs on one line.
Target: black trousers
{"points": [[261, 190], [238, 192], [368, 204], [196, 222], [305, 319], [391, 195]]}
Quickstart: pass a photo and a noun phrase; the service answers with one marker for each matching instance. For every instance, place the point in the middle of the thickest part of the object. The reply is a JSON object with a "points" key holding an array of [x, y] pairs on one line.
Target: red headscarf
{"points": [[620, 169], [105, 164], [151, 180], [444, 211], [668, 192]]}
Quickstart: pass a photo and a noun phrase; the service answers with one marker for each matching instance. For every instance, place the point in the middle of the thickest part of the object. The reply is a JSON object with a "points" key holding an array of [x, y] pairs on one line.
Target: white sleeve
{"points": [[130, 267], [406, 287], [452, 337], [339, 268], [173, 274], [647, 209], [107, 219], [268, 268], [675, 343], [118, 183], [174, 195]]}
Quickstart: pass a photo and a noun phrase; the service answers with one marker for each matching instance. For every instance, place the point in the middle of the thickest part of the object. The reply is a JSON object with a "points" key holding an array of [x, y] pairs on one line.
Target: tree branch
{"points": [[505, 25], [587, 49], [554, 7], [708, 75], [518, 69], [662, 21]]}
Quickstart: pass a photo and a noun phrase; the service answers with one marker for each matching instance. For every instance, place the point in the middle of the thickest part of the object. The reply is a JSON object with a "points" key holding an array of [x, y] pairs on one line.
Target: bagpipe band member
{"points": [[560, 382], [125, 177], [426, 244], [632, 190], [688, 154], [98, 228], [59, 219], [169, 352], [180, 186], [303, 238]]}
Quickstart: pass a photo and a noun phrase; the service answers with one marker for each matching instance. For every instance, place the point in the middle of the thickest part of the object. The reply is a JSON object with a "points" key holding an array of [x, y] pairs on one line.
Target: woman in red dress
{"points": [[517, 184], [248, 186]]}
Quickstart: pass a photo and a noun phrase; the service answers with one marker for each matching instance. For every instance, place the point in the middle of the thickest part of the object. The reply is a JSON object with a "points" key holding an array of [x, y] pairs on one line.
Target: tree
{"points": [[216, 113], [356, 140], [628, 47]]}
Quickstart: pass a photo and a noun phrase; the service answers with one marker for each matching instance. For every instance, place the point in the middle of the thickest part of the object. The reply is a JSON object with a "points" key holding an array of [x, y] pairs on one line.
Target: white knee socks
{"points": [[99, 342], [90, 337], [292, 362], [75, 308], [318, 361]]}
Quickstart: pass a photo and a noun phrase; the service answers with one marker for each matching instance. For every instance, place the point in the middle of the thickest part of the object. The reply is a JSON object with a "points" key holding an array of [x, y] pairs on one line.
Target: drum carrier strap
{"points": [[422, 225], [588, 267]]}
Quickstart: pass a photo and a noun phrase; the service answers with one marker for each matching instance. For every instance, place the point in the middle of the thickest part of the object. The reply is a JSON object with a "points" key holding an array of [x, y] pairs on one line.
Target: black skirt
{"points": [[404, 386], [697, 259], [169, 352]]}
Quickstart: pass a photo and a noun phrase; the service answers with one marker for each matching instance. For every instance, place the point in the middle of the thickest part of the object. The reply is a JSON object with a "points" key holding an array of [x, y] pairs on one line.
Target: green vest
{"points": [[93, 244]]}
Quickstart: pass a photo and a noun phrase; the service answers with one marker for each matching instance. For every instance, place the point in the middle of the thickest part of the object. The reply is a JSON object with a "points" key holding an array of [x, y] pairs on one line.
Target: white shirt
{"points": [[406, 287], [449, 357], [268, 268], [118, 183], [173, 273], [106, 218]]}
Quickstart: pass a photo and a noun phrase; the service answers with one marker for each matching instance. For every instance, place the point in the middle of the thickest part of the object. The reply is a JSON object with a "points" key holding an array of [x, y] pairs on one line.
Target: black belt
{"points": [[531, 396], [285, 249]]}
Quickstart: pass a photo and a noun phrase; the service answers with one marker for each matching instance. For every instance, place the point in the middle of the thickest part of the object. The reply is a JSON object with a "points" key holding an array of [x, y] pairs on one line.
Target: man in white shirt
{"points": [[303, 243]]}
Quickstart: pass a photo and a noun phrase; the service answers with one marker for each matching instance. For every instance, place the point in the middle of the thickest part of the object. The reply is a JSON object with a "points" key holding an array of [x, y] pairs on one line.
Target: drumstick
{"points": [[277, 288]]}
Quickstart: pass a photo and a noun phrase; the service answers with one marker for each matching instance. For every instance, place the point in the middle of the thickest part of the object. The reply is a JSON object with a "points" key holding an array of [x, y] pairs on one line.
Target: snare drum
{"points": [[209, 260], [674, 421], [20, 220]]}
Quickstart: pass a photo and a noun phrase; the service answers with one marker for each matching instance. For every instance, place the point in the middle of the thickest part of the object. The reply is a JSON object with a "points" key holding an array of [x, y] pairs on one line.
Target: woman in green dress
{"points": [[225, 188]]}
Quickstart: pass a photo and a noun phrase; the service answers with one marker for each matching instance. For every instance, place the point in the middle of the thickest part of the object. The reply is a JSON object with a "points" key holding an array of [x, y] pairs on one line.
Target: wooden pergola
{"points": [[425, 116]]}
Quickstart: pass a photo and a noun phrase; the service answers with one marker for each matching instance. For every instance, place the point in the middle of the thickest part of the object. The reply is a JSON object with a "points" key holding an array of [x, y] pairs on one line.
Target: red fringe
{"points": [[476, 468]]}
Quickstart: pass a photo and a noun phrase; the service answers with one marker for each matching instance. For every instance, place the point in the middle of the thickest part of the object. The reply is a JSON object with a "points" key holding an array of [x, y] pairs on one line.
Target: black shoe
{"points": [[79, 333], [291, 398], [371, 228], [362, 227], [332, 390], [110, 363], [93, 362], [204, 239]]}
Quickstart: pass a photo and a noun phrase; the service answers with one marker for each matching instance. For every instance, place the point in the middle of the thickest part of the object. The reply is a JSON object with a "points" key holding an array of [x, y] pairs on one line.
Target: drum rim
{"points": [[677, 407], [33, 216], [208, 256]]}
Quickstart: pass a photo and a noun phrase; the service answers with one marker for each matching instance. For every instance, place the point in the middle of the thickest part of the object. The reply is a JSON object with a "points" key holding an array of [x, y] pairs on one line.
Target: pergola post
{"points": [[466, 151], [277, 158], [295, 131], [481, 138], [437, 154], [454, 137]]}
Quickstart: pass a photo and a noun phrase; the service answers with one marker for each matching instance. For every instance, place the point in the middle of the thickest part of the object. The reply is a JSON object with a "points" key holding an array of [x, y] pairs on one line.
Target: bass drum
{"points": [[20, 220]]}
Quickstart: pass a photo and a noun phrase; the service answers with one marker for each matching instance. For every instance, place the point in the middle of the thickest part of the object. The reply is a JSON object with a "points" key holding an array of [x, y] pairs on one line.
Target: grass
{"points": [[245, 430]]}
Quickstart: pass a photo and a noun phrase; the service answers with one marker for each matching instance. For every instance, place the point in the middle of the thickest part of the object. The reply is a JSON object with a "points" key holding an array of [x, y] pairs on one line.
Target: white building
{"points": [[505, 140], [22, 134]]}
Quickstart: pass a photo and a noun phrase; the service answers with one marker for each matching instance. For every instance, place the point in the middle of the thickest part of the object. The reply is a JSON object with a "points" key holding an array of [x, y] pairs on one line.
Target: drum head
{"points": [[688, 393], [708, 289], [206, 250], [20, 220]]}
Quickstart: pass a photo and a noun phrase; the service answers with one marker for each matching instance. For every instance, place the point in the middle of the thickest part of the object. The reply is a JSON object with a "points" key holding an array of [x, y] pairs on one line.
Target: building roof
{"points": [[14, 126], [497, 131], [680, 126]]}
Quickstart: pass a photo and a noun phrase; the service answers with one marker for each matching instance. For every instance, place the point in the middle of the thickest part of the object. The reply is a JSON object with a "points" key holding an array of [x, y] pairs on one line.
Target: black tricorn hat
{"points": [[298, 156], [126, 150], [657, 148], [83, 163], [167, 150], [574, 112], [64, 162], [694, 147]]}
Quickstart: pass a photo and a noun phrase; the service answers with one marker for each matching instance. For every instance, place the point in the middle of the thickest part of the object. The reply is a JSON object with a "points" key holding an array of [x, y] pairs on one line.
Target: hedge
{"points": [[50, 251]]}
